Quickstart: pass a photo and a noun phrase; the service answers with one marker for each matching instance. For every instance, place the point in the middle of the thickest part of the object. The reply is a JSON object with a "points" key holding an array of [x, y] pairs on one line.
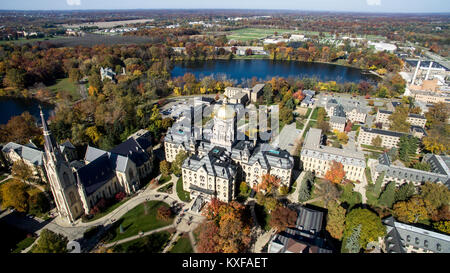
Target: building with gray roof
{"points": [[352, 109], [305, 237], [217, 161], [405, 238], [439, 173], [31, 156], [78, 186], [317, 157]]}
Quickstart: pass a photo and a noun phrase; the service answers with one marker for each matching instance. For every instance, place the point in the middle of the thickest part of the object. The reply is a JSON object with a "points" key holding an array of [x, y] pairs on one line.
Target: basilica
{"points": [[78, 185], [219, 160]]}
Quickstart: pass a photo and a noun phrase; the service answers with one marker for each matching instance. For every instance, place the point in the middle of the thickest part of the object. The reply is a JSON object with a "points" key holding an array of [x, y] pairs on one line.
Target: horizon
{"points": [[233, 9], [349, 6]]}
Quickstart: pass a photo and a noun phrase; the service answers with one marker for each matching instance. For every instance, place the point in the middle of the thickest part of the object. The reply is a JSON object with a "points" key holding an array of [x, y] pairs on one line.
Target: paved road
{"points": [[76, 231]]}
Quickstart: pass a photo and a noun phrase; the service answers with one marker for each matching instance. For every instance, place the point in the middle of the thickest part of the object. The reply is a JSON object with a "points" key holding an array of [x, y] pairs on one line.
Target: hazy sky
{"points": [[319, 5]]}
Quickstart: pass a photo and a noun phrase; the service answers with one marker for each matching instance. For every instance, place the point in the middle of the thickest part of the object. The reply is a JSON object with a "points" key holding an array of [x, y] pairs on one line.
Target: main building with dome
{"points": [[218, 160]]}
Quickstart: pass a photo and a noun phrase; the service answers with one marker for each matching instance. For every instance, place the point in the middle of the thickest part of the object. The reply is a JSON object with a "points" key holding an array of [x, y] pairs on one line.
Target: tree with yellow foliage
{"points": [[14, 195], [93, 133]]}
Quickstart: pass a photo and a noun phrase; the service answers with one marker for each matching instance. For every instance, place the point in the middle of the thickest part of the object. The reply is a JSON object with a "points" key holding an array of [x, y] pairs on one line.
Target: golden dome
{"points": [[225, 111]]}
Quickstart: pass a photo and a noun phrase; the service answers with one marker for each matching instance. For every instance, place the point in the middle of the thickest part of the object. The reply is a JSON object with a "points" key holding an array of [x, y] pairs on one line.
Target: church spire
{"points": [[49, 141]]}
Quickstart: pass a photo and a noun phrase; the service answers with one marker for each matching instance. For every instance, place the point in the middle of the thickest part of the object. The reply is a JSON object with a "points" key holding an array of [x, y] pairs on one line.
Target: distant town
{"points": [[224, 131]]}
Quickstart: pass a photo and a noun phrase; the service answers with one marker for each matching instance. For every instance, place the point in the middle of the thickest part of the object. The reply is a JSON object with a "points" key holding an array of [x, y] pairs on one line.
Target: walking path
{"points": [[171, 242], [137, 236], [193, 242], [6, 178]]}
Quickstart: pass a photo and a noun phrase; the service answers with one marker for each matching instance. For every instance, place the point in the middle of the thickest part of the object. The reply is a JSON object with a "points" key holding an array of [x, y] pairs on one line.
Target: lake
{"points": [[10, 107], [240, 70]]}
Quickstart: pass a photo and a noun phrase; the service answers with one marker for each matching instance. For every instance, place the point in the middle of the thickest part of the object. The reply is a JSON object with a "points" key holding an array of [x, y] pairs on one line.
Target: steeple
{"points": [[49, 141]]}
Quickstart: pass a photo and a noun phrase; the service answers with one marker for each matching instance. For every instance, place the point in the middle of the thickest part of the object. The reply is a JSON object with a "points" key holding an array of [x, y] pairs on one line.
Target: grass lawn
{"points": [[24, 244], [250, 57], [24, 40], [183, 245], [107, 211], [152, 243], [311, 124], [3, 176], [137, 220], [355, 127], [368, 176], [315, 113], [308, 112], [11, 237], [292, 190], [246, 34], [66, 84], [163, 179], [196, 233], [31, 190], [299, 125], [166, 188], [183, 195], [262, 216], [373, 147]]}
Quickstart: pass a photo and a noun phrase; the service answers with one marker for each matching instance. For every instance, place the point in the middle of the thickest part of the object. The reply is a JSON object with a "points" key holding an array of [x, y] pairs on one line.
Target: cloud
{"points": [[73, 2], [373, 2]]}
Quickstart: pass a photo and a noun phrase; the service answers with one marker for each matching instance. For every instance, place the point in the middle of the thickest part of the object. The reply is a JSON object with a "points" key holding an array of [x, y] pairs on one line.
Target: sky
{"points": [[396, 6]]}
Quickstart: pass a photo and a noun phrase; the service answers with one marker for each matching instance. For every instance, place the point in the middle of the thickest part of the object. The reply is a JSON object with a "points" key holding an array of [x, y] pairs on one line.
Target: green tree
{"points": [[443, 226], [75, 75], [336, 221], [268, 94], [423, 166], [243, 188], [22, 171], [387, 197], [50, 242], [376, 141], [164, 168], [178, 162], [414, 210], [436, 193], [349, 196], [304, 191], [327, 192], [398, 119], [407, 147], [352, 244], [15, 78], [404, 192], [38, 203], [371, 226], [271, 203], [14, 194]]}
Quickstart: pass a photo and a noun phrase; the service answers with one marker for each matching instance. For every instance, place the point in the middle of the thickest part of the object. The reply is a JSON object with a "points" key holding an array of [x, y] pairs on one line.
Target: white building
{"points": [[317, 158], [216, 164]]}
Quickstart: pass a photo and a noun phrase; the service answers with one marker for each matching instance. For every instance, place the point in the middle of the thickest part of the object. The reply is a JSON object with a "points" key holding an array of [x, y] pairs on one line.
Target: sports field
{"points": [[247, 34]]}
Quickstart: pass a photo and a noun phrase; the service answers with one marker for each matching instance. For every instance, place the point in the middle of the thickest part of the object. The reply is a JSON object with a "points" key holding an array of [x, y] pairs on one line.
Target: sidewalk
{"points": [[137, 236]]}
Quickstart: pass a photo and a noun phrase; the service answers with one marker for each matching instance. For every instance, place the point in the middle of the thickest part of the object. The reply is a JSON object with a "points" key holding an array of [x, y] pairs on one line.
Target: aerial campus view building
{"points": [[224, 130]]}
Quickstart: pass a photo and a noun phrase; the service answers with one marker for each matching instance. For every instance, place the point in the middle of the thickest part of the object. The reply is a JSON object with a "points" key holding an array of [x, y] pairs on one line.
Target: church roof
{"points": [[131, 149], [94, 175], [32, 155]]}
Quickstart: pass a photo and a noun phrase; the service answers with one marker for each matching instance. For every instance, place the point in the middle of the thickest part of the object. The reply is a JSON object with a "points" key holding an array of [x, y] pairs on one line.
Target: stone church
{"points": [[77, 186]]}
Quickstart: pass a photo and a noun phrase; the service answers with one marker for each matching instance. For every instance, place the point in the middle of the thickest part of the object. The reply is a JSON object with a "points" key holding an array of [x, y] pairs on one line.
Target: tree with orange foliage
{"points": [[268, 183], [282, 218], [336, 172], [227, 229]]}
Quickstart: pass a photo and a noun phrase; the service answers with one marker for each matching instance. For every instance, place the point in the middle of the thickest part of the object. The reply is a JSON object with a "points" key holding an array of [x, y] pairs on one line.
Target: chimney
{"points": [[429, 70], [415, 73]]}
